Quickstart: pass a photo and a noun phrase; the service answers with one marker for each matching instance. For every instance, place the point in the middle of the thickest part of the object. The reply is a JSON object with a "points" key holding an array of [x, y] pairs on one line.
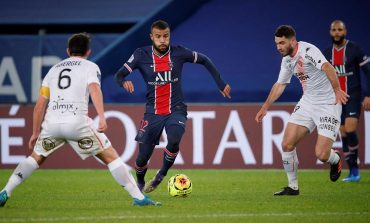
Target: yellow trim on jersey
{"points": [[45, 92]]}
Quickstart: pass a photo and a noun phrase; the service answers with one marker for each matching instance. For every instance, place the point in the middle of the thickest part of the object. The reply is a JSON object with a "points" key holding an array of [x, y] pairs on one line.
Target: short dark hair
{"points": [[79, 44], [160, 24], [286, 31]]}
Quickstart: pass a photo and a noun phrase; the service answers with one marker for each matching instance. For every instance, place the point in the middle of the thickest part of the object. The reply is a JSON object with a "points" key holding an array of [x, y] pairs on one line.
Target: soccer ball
{"points": [[179, 185]]}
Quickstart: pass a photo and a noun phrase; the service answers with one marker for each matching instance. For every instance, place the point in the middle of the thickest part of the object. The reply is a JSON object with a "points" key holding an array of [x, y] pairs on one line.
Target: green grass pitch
{"points": [[218, 196]]}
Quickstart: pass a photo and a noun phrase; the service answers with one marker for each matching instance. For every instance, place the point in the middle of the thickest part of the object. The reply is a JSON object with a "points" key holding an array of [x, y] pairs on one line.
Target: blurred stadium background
{"points": [[237, 35]]}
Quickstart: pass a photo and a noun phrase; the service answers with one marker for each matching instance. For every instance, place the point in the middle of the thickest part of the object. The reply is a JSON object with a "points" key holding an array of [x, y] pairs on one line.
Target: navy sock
{"points": [[353, 152], [169, 158], [145, 152]]}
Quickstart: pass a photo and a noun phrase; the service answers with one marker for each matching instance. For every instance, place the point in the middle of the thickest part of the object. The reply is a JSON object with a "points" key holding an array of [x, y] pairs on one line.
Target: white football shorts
{"points": [[325, 117], [79, 133]]}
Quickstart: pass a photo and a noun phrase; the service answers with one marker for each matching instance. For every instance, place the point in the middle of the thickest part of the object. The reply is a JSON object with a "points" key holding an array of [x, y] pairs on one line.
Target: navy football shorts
{"points": [[351, 110], [151, 127]]}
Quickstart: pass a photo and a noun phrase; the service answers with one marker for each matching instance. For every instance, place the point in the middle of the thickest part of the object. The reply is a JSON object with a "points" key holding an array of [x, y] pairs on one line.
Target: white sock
{"points": [[124, 178], [290, 162], [21, 173], [333, 158]]}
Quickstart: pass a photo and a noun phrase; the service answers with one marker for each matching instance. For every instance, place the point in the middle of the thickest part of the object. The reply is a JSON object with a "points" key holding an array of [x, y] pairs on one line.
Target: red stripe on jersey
{"points": [[162, 92], [163, 99], [338, 59]]}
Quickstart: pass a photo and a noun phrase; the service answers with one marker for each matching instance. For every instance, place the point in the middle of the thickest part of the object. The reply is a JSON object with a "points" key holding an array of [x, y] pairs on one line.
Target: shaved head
{"points": [[338, 33]]}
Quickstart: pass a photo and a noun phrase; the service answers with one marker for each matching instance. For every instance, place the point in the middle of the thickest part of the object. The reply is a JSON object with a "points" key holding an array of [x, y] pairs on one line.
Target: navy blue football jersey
{"points": [[347, 61], [162, 75]]}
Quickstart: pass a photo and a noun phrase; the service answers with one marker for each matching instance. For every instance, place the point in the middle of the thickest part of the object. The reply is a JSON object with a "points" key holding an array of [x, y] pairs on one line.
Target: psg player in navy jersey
{"points": [[347, 58], [161, 66]]}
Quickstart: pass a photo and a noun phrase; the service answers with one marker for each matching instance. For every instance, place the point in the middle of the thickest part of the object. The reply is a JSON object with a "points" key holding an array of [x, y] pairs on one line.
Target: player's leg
{"points": [[86, 141], [123, 177], [45, 145], [292, 135], [148, 136], [141, 163], [325, 153], [328, 123], [351, 155], [175, 128], [24, 169]]}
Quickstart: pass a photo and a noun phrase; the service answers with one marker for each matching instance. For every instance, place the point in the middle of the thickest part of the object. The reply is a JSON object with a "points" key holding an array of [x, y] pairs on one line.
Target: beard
{"points": [[289, 51], [338, 42], [163, 50]]}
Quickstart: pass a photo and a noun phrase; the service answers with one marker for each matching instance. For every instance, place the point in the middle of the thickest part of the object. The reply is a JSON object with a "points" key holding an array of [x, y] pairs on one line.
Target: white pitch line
{"points": [[122, 217]]}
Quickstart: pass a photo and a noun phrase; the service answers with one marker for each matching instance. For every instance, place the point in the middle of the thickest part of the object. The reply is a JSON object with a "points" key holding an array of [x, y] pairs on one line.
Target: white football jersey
{"points": [[306, 66], [68, 83]]}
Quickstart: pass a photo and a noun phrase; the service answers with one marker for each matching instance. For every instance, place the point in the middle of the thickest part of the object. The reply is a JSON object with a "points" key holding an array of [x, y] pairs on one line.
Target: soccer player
{"points": [[61, 116], [161, 65], [320, 105], [347, 58]]}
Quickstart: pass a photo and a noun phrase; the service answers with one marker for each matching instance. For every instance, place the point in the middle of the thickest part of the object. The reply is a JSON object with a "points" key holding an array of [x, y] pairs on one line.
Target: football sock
{"points": [[169, 157], [174, 135], [21, 173], [333, 158], [353, 152], [141, 164], [290, 162], [124, 178]]}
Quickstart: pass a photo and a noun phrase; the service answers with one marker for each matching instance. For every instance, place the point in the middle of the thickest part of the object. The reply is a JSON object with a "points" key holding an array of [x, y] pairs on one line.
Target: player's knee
{"points": [[174, 137], [142, 160], [174, 149], [287, 146]]}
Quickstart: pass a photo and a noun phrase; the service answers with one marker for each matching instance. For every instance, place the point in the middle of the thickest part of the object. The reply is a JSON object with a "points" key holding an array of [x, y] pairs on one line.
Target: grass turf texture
{"points": [[218, 196]]}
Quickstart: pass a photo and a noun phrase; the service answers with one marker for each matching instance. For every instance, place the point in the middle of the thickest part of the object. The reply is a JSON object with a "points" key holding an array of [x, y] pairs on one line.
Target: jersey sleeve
{"points": [[132, 62], [315, 57], [94, 75], [285, 75], [130, 65], [188, 55]]}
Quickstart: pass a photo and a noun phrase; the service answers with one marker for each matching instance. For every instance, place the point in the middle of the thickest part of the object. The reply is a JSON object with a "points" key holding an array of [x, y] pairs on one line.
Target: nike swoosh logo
{"points": [[352, 113], [181, 123]]}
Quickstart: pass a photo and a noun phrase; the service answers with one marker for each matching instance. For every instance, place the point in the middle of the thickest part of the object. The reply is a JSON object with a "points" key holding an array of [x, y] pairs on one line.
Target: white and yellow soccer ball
{"points": [[179, 185]]}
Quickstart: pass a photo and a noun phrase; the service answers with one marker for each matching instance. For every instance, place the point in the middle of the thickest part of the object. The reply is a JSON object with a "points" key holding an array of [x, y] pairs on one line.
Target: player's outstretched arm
{"points": [[341, 96], [97, 98], [208, 64], [275, 93], [38, 117]]}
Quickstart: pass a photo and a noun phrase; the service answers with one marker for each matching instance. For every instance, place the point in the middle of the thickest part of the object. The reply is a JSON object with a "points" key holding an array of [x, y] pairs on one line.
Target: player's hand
{"points": [[366, 103], [226, 91], [102, 125], [341, 96], [261, 114], [33, 140], [128, 86]]}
